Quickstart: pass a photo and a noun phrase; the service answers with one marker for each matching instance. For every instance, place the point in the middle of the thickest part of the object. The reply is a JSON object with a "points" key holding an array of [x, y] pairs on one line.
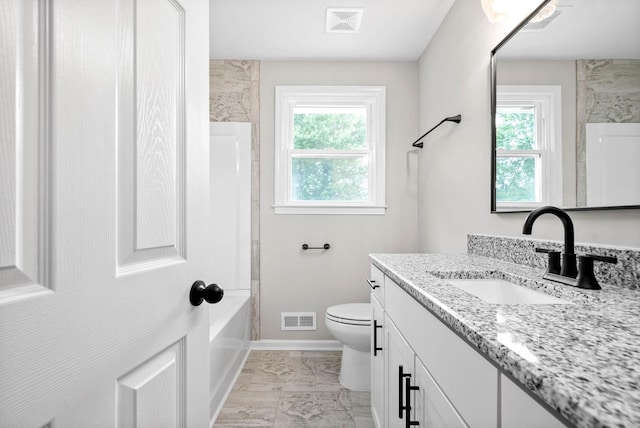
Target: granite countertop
{"points": [[581, 359]]}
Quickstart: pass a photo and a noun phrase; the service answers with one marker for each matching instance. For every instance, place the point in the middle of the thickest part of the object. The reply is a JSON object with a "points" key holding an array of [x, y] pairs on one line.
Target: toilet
{"points": [[351, 324]]}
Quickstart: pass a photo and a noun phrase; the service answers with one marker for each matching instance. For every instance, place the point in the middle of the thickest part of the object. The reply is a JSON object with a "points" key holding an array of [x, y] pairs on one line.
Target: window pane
{"points": [[329, 128], [330, 179], [515, 128], [516, 179]]}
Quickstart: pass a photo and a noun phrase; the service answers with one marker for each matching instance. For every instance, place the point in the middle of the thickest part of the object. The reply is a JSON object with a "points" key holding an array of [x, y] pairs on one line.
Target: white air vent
{"points": [[298, 321], [343, 20]]}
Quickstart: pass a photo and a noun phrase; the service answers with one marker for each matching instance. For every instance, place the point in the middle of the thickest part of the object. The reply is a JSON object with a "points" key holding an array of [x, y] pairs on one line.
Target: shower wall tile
{"points": [[234, 96], [255, 310]]}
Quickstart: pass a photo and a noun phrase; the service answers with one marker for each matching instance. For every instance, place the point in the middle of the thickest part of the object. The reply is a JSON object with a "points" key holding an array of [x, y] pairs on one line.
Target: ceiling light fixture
{"points": [[496, 10], [545, 12], [499, 10]]}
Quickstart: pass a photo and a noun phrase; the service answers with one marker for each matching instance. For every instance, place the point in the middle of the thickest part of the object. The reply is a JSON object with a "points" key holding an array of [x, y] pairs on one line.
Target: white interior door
{"points": [[103, 197]]}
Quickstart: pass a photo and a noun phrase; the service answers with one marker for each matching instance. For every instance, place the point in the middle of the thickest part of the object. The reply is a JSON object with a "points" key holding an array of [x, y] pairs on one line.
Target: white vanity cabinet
{"points": [[431, 406], [464, 386], [518, 410], [451, 384], [414, 397], [399, 361], [378, 353]]}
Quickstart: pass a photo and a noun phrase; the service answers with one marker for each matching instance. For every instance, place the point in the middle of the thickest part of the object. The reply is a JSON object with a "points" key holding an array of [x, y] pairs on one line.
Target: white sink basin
{"points": [[504, 292]]}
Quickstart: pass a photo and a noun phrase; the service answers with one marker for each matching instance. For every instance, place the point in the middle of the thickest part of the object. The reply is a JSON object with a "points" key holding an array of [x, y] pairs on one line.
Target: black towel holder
{"points": [[307, 247], [455, 119]]}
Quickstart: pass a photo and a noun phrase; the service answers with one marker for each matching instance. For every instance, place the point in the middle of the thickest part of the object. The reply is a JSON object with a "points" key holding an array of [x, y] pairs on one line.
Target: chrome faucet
{"points": [[568, 266], [567, 272]]}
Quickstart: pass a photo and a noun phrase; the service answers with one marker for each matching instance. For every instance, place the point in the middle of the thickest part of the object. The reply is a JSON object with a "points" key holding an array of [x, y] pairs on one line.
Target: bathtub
{"points": [[229, 341]]}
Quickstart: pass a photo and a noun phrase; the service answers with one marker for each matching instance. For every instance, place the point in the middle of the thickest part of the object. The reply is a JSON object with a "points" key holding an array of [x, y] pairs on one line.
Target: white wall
{"points": [[455, 165], [293, 280]]}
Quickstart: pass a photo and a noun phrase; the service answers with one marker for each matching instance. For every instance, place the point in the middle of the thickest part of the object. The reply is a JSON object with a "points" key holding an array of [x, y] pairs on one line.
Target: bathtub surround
{"points": [[229, 342], [455, 164], [234, 96], [608, 92]]}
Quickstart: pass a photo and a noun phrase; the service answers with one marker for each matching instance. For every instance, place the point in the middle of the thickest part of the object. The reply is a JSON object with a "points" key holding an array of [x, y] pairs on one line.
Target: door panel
{"points": [[378, 386], [22, 154], [152, 395], [433, 409], [105, 204], [398, 354], [151, 143]]}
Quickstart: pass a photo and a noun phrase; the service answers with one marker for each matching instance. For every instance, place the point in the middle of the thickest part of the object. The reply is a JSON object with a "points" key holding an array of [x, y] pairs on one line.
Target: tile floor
{"points": [[294, 389]]}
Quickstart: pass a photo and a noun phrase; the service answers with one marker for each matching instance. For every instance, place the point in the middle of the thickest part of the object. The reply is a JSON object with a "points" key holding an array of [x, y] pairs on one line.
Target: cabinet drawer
{"points": [[376, 280], [466, 378]]}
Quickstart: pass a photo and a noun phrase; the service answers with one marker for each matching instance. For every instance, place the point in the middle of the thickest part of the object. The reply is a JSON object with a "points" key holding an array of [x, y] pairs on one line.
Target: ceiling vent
{"points": [[343, 20]]}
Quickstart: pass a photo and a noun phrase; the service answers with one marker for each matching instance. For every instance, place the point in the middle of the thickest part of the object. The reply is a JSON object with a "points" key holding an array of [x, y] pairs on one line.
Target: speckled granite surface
{"points": [[626, 273], [582, 359]]}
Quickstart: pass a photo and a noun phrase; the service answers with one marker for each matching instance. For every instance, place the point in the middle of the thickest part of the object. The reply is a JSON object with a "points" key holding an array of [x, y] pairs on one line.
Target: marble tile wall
{"points": [[625, 273], [234, 96], [608, 91]]}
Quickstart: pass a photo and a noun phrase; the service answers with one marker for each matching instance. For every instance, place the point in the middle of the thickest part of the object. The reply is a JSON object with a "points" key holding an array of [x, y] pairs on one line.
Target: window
{"points": [[330, 150], [528, 167]]}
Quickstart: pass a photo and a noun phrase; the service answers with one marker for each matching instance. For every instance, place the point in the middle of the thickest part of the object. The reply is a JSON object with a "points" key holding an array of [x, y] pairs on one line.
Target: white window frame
{"points": [[548, 102], [373, 98]]}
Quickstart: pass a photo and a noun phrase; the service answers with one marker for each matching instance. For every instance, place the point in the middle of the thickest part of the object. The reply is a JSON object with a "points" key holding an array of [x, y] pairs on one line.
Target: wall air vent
{"points": [[343, 20], [298, 321]]}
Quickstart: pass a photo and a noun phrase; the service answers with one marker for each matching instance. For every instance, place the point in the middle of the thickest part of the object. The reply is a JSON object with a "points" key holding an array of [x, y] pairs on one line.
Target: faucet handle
{"points": [[586, 277], [554, 259], [597, 258]]}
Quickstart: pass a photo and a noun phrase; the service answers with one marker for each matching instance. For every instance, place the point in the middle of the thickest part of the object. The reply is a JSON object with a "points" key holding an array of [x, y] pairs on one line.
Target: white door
{"points": [[103, 201]]}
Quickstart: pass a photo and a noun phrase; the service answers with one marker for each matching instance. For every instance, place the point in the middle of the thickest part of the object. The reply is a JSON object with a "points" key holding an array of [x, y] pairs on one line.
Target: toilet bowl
{"points": [[351, 324]]}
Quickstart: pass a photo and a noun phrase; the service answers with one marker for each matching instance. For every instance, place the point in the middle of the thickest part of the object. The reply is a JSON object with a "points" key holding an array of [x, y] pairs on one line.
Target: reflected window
{"points": [[526, 161]]}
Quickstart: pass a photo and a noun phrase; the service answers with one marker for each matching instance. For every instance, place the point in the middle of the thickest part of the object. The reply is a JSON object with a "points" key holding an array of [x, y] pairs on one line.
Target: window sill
{"points": [[330, 210]]}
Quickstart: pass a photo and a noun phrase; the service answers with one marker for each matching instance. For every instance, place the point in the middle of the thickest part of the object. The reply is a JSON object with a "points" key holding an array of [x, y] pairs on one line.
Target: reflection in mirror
{"points": [[566, 109]]}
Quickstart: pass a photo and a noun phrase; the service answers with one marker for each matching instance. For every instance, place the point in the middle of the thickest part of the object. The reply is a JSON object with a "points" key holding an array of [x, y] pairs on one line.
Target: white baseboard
{"points": [[297, 345]]}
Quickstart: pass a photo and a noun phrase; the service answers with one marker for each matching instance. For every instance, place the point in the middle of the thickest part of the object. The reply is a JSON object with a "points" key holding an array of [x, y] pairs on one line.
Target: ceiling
{"points": [[587, 29], [295, 29]]}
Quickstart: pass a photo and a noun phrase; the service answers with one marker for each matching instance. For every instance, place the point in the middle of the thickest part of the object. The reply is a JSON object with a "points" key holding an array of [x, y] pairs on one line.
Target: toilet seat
{"points": [[350, 313]]}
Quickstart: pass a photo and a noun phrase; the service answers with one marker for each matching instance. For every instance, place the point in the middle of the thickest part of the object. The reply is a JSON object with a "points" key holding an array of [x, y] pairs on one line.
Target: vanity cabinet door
{"points": [[468, 380], [518, 410], [378, 352], [399, 358], [432, 408]]}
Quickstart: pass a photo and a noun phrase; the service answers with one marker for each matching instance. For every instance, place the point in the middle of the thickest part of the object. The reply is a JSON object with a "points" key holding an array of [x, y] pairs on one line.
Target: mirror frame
{"points": [[494, 83]]}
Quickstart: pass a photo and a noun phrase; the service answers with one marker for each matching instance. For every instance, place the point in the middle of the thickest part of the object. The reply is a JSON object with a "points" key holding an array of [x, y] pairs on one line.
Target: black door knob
{"points": [[200, 291]]}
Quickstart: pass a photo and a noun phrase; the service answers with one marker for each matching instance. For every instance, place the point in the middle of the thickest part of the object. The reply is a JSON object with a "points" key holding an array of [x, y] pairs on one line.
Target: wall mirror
{"points": [[566, 108]]}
